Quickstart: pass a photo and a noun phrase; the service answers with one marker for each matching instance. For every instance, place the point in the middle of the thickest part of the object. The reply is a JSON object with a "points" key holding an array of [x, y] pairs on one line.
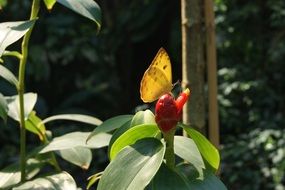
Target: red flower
{"points": [[168, 110]]}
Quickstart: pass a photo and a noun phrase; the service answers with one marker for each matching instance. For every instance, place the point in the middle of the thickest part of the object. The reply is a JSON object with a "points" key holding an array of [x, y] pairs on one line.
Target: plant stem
{"points": [[13, 53], [169, 151], [21, 89], [52, 156]]}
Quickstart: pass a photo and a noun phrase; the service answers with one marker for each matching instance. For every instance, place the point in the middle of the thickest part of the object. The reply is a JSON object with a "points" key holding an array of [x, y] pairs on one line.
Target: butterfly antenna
{"points": [[177, 84]]}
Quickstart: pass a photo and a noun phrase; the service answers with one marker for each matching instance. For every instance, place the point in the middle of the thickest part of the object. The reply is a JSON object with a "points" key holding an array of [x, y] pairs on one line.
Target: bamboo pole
{"points": [[211, 72]]}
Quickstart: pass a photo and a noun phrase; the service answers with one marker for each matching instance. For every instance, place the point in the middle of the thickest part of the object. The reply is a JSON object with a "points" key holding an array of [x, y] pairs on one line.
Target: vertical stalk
{"points": [[212, 72], [169, 151], [21, 88]]}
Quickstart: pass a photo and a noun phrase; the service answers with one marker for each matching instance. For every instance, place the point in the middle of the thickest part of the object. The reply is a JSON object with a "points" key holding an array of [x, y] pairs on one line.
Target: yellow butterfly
{"points": [[157, 79]]}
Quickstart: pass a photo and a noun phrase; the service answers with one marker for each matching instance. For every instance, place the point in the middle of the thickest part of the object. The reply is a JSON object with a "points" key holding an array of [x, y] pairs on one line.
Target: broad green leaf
{"points": [[79, 156], [111, 124], [11, 32], [188, 171], [8, 75], [119, 132], [30, 100], [11, 175], [131, 136], [208, 151], [3, 108], [34, 125], [168, 179], [86, 8], [186, 149], [77, 139], [49, 3], [134, 167], [74, 117], [143, 117], [60, 181], [210, 181]]}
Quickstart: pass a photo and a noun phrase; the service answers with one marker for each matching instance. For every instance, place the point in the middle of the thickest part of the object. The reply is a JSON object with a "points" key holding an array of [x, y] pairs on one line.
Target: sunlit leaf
{"points": [[11, 175], [11, 32], [3, 108], [8, 75], [61, 181], [86, 8], [34, 125], [49, 3], [208, 151], [186, 149], [30, 100], [77, 139], [134, 167], [79, 156], [74, 117], [143, 117], [131, 136], [111, 124]]}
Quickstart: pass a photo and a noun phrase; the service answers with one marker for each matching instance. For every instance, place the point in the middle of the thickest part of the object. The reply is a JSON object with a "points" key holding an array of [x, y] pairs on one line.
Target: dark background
{"points": [[73, 70]]}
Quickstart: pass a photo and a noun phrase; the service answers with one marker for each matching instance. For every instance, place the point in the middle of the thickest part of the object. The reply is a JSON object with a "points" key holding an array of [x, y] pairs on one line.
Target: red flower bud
{"points": [[168, 111], [182, 99]]}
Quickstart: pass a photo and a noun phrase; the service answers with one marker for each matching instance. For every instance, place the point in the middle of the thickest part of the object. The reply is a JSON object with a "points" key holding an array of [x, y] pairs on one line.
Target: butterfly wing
{"points": [[157, 79]]}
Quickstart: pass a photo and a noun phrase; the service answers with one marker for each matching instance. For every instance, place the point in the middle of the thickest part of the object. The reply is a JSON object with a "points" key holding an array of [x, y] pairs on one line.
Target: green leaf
{"points": [[86, 8], [30, 100], [143, 117], [34, 125], [168, 179], [119, 132], [8, 75], [77, 139], [111, 124], [74, 117], [210, 181], [131, 136], [188, 172], [49, 3], [11, 175], [79, 156], [186, 149], [61, 181], [11, 32], [134, 166], [208, 151], [3, 108]]}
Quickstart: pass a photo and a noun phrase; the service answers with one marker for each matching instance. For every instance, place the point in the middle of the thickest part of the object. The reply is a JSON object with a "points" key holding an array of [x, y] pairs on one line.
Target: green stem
{"points": [[21, 89], [52, 155], [12, 53], [169, 152]]}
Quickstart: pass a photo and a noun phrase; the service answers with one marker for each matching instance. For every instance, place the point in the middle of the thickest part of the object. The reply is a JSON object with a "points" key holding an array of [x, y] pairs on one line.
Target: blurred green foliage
{"points": [[75, 70], [255, 161], [251, 48]]}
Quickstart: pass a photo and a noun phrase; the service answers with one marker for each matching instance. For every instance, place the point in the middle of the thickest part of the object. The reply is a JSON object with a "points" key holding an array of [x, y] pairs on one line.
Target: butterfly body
{"points": [[157, 79]]}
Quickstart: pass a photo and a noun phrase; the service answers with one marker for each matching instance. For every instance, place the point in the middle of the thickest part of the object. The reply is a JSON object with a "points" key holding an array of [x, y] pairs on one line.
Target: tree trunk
{"points": [[193, 63], [211, 72]]}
